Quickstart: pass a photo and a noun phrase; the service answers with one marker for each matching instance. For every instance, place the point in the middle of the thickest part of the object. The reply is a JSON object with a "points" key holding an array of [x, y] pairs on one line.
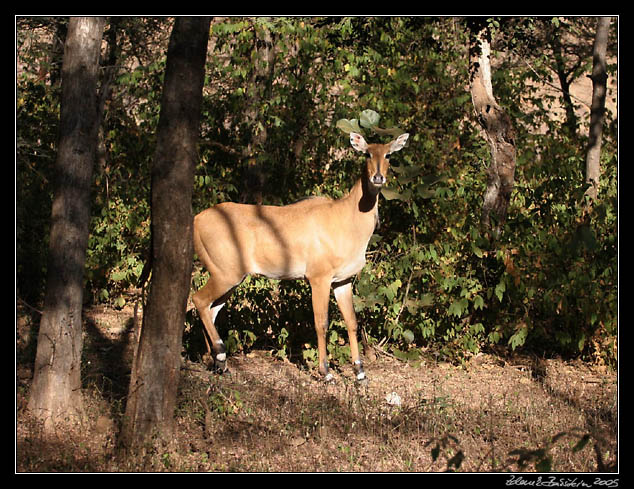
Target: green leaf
{"points": [[425, 192], [457, 308], [477, 251], [369, 118], [407, 173], [519, 337], [500, 289], [408, 336], [406, 356], [349, 126], [119, 275], [390, 194]]}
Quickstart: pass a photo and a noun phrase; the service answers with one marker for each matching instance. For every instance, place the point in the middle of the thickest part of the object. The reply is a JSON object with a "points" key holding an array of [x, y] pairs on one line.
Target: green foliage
{"points": [[368, 119], [37, 113], [277, 95]]}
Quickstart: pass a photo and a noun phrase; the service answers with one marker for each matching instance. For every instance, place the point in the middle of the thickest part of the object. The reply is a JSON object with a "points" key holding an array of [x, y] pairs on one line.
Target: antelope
{"points": [[319, 239]]}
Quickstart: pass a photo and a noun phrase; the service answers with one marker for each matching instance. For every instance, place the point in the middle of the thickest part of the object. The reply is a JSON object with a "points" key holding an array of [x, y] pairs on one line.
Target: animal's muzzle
{"points": [[378, 179]]}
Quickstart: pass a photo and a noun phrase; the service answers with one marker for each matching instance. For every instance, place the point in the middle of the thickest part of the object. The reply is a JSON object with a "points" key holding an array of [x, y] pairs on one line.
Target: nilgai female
{"points": [[319, 239]]}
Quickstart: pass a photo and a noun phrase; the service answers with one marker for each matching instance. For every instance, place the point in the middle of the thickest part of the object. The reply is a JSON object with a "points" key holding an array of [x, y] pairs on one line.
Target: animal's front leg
{"points": [[320, 297]]}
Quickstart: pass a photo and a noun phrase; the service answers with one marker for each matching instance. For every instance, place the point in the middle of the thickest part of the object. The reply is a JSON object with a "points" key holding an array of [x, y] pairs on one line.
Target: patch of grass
{"points": [[272, 415]]}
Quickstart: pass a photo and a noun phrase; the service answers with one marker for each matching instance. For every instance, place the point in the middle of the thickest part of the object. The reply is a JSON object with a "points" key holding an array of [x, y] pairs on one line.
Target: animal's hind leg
{"points": [[208, 301]]}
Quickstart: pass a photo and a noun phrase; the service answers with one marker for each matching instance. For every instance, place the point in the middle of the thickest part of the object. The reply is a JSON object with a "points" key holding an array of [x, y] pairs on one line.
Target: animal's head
{"points": [[378, 161]]}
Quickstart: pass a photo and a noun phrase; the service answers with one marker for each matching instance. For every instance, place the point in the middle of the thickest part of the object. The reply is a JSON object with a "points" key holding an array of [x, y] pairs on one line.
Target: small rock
{"points": [[393, 399], [297, 441]]}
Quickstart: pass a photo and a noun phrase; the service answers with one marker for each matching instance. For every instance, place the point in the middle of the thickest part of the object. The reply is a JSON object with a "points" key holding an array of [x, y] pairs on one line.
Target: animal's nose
{"points": [[378, 179]]}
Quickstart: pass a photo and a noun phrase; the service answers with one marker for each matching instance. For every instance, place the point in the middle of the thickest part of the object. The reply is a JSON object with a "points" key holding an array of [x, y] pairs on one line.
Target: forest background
{"points": [[435, 283]]}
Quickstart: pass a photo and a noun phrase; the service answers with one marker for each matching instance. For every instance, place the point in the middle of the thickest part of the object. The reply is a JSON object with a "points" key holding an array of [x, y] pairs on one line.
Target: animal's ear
{"points": [[398, 143], [357, 142]]}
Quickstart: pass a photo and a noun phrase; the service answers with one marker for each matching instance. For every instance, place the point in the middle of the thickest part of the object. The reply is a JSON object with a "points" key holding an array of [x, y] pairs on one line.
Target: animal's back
{"points": [[275, 241]]}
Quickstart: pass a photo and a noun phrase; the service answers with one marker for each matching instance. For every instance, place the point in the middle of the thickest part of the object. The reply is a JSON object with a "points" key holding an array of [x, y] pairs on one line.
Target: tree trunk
{"points": [[498, 130], [156, 368], [56, 389], [597, 112], [565, 76]]}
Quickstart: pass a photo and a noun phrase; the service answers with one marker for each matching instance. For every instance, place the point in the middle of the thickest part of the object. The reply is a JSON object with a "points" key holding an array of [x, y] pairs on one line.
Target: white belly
{"points": [[350, 268], [286, 271]]}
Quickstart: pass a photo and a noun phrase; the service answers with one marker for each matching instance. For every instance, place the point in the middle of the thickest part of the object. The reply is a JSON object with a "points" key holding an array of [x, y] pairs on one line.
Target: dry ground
{"points": [[494, 414]]}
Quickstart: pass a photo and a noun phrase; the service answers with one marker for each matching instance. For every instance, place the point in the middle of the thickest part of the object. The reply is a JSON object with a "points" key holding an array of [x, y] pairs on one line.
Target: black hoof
{"points": [[361, 378], [216, 366], [220, 367]]}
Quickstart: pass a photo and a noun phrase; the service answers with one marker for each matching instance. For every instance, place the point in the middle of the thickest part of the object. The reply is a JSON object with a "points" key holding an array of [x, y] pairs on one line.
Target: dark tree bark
{"points": [[498, 131], [597, 111], [155, 373], [566, 76], [56, 389]]}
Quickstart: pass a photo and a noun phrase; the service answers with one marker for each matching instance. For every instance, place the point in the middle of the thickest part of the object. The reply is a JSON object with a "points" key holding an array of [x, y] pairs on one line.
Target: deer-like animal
{"points": [[319, 239]]}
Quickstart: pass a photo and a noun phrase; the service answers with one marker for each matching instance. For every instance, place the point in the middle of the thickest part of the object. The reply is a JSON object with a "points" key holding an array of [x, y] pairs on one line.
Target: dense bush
{"points": [[275, 89]]}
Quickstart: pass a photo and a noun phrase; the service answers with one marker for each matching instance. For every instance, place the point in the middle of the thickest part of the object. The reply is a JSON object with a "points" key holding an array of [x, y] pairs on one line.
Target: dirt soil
{"points": [[496, 413]]}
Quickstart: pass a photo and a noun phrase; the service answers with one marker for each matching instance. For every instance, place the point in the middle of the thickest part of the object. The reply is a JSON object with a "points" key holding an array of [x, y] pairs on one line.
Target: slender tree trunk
{"points": [[566, 77], [597, 112], [56, 389], [156, 369], [498, 131]]}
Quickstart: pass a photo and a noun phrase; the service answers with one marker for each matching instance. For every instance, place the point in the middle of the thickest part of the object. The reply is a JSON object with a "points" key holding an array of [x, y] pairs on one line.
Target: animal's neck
{"points": [[365, 199], [369, 199]]}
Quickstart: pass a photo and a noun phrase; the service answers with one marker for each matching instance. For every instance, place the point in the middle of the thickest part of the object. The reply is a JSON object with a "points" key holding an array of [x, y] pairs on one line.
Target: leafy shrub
{"points": [[433, 280]]}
